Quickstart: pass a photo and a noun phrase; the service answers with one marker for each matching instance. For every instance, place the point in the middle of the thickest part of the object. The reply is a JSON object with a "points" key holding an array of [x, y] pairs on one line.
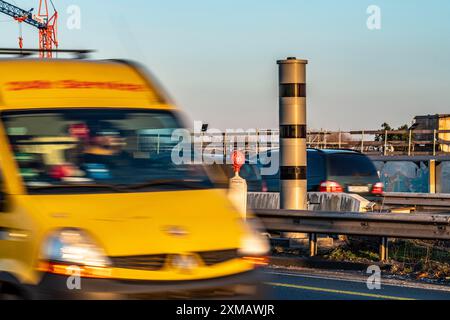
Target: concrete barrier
{"points": [[318, 201], [263, 200]]}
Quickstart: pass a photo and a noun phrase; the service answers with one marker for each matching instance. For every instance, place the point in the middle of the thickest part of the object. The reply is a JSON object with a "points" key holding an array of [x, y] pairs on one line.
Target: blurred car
{"points": [[337, 170], [89, 189]]}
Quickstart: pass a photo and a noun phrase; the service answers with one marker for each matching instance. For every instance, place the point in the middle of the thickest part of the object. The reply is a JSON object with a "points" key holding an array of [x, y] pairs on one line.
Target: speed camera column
{"points": [[292, 88]]}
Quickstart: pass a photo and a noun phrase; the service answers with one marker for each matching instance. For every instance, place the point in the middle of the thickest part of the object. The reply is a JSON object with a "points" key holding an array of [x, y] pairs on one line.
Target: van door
{"points": [[3, 222], [16, 247]]}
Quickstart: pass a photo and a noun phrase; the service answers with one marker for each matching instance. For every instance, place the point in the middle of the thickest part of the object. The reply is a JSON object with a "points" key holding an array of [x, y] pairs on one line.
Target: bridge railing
{"points": [[384, 142], [372, 142]]}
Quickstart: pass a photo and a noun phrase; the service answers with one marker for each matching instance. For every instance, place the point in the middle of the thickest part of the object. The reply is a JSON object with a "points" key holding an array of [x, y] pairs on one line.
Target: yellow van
{"points": [[91, 205]]}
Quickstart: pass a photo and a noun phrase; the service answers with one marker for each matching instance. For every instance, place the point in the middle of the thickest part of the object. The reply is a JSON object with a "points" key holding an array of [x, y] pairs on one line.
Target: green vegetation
{"points": [[416, 259], [345, 254], [393, 137]]}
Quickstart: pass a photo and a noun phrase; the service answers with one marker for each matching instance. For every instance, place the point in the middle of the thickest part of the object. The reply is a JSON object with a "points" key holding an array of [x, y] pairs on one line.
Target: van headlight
{"points": [[74, 247], [253, 244]]}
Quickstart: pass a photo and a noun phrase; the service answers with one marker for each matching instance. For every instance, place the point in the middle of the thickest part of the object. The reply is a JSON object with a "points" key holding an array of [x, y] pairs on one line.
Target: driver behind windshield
{"points": [[104, 151]]}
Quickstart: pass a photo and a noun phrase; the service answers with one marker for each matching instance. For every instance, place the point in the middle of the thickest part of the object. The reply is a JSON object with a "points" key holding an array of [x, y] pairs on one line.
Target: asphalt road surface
{"points": [[312, 285]]}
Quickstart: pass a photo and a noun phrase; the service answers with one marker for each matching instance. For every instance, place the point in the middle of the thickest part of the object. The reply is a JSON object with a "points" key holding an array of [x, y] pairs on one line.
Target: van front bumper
{"points": [[248, 285]]}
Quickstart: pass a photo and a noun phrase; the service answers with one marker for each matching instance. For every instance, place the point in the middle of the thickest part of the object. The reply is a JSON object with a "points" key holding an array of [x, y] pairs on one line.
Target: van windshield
{"points": [[98, 151]]}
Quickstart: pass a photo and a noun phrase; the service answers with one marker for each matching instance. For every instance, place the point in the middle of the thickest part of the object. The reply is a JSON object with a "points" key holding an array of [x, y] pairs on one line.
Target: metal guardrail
{"points": [[416, 226], [422, 201], [413, 158]]}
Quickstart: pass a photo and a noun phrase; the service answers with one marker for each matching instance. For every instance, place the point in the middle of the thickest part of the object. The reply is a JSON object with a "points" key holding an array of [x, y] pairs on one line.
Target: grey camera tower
{"points": [[292, 92]]}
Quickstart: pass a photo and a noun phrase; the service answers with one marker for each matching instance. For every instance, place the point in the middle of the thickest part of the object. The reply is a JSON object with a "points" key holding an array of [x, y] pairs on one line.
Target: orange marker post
{"points": [[237, 191]]}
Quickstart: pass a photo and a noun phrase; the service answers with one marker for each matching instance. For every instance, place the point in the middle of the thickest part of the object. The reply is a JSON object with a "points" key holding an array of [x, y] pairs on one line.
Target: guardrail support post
{"points": [[434, 142], [432, 179], [225, 145], [384, 249], [340, 139], [362, 142], [313, 244], [409, 142], [257, 141], [385, 141]]}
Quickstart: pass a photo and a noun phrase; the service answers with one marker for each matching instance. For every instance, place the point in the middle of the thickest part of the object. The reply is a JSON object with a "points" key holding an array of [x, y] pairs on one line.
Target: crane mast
{"points": [[44, 21]]}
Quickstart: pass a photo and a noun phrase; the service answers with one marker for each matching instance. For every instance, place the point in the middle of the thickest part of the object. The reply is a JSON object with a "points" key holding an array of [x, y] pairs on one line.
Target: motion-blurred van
{"points": [[91, 203]]}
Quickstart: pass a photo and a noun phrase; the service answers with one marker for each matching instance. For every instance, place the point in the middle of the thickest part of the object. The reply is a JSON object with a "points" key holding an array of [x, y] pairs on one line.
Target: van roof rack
{"points": [[78, 53]]}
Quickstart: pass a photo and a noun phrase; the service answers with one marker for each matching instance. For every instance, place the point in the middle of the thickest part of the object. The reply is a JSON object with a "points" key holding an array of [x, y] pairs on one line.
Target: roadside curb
{"points": [[319, 263]]}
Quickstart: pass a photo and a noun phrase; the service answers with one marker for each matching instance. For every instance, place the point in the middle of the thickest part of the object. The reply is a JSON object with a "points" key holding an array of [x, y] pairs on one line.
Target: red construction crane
{"points": [[44, 21]]}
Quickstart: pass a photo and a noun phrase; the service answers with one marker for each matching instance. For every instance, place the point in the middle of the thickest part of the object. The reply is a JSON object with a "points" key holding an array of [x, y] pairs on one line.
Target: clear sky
{"points": [[218, 58]]}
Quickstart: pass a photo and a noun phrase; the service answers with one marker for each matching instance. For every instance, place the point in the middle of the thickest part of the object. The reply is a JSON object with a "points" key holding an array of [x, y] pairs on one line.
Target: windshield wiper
{"points": [[168, 182], [77, 186]]}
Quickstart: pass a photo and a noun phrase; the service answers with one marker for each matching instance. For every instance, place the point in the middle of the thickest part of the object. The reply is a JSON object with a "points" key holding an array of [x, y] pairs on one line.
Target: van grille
{"points": [[156, 262], [148, 263], [214, 257]]}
